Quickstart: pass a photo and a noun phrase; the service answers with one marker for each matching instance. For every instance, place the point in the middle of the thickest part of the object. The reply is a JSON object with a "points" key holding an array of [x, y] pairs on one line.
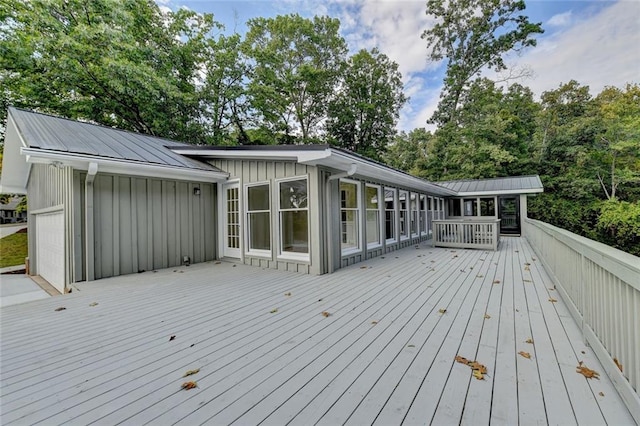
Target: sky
{"points": [[596, 43]]}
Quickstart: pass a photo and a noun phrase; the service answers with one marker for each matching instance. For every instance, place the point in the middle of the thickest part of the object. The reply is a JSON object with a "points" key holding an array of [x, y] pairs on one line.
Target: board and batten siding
{"points": [[142, 224], [50, 188], [255, 171]]}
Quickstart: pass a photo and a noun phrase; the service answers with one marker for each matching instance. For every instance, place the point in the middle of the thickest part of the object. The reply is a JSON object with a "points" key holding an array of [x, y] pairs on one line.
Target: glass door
{"points": [[509, 215], [232, 234]]}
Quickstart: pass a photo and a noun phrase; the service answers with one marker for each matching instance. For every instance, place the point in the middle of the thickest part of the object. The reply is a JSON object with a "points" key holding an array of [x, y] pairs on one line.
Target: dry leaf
{"points": [[61, 308], [462, 360], [601, 393], [526, 268], [374, 322], [552, 300], [326, 314], [172, 337], [527, 264], [411, 346], [618, 364], [496, 281], [526, 281], [273, 311], [288, 294], [475, 365], [363, 267], [524, 354], [517, 251], [479, 276], [217, 263], [442, 311], [478, 375], [487, 316], [529, 340], [189, 385], [552, 289], [455, 255], [191, 372], [93, 304], [587, 372]]}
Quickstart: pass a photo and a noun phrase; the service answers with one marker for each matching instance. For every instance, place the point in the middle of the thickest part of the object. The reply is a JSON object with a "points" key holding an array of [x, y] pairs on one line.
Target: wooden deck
{"points": [[384, 355]]}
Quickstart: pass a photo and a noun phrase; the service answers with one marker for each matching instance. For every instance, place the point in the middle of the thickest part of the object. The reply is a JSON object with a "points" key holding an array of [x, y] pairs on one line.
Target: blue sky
{"points": [[596, 43]]}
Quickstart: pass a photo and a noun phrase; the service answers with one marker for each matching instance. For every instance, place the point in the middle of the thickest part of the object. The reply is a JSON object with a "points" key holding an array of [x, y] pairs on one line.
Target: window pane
{"points": [[293, 194], [349, 229], [470, 207], [259, 231], [390, 224], [258, 197], [454, 207], [373, 227], [348, 195], [487, 207], [295, 238], [372, 197]]}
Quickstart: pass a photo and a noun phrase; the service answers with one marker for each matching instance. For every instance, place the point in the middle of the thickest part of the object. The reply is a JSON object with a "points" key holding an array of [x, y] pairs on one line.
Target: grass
{"points": [[13, 249]]}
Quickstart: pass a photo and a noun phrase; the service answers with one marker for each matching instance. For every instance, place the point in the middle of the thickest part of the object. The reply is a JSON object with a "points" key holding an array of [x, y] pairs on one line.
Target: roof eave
{"points": [[502, 192]]}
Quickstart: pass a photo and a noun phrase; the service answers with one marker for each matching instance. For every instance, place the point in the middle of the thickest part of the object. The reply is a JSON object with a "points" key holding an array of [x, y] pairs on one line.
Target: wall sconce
{"points": [[196, 190]]}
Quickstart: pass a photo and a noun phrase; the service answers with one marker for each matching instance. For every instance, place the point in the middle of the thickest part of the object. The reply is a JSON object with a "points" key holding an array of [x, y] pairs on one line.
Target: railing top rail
{"points": [[624, 265], [466, 220]]}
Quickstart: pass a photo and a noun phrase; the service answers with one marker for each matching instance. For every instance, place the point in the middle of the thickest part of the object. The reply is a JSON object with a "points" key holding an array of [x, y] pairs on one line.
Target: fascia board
{"points": [[81, 162], [15, 170], [226, 154]]}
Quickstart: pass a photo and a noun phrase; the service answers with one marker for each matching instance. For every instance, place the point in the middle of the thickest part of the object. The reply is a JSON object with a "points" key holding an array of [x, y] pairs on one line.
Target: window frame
{"points": [[407, 210], [248, 250], [394, 209], [380, 210], [422, 214], [286, 255], [414, 214], [358, 218]]}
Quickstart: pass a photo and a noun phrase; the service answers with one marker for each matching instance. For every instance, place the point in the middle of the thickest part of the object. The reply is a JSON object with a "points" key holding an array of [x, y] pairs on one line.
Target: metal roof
{"points": [[63, 135], [503, 185]]}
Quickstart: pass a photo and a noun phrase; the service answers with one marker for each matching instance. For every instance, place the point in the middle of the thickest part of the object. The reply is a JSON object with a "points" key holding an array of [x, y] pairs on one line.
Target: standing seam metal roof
{"points": [[514, 183], [64, 135]]}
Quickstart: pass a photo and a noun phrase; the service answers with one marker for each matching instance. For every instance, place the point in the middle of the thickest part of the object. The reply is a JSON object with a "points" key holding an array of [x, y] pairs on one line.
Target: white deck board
{"points": [[384, 356]]}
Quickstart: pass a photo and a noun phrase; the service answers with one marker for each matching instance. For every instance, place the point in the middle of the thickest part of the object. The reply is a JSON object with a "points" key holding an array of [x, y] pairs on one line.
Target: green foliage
{"points": [[13, 249], [473, 35], [362, 117], [295, 65], [619, 223], [408, 150], [123, 64]]}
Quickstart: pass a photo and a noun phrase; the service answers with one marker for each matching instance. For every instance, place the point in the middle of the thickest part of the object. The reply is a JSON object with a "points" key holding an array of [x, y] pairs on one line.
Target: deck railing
{"points": [[480, 234], [601, 287]]}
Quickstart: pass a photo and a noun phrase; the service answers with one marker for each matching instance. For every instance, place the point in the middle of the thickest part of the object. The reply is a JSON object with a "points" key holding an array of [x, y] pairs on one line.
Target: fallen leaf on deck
{"points": [[533, 258], [189, 385], [479, 276], [172, 337], [233, 266], [191, 372], [462, 360], [273, 311], [552, 300], [475, 365], [320, 300], [496, 281], [601, 393], [529, 340], [618, 364], [587, 372], [462, 270], [524, 354], [470, 267], [61, 308], [326, 314], [374, 322], [487, 316], [93, 304], [552, 289], [217, 263], [381, 257], [526, 268], [478, 375], [363, 267], [442, 311], [411, 346], [526, 281], [288, 294], [527, 264], [455, 255], [481, 260], [583, 352], [517, 251]]}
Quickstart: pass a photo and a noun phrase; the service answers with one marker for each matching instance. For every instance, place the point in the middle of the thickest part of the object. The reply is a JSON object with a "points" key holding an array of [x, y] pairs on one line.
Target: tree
{"points": [[474, 35], [124, 64], [408, 151], [296, 63], [363, 116]]}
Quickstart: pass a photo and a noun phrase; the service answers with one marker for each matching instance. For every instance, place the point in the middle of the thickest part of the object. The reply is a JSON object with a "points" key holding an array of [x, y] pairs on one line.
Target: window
{"points": [[470, 207], [349, 216], [415, 226], [390, 214], [258, 218], [373, 215], [487, 207], [423, 214], [454, 207], [403, 200], [294, 218]]}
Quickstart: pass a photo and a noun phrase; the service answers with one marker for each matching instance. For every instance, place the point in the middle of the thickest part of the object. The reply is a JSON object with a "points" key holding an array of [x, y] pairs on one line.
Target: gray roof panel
{"points": [[513, 183], [64, 135]]}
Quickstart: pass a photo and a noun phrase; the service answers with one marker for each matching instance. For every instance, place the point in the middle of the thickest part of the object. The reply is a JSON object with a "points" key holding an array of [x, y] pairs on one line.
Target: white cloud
{"points": [[560, 20], [603, 50]]}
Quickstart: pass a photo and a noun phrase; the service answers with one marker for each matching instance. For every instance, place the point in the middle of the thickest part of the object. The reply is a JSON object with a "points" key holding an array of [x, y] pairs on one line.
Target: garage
{"points": [[50, 248]]}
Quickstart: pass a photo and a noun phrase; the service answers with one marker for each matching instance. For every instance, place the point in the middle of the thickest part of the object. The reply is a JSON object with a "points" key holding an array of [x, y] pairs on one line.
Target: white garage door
{"points": [[50, 248]]}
